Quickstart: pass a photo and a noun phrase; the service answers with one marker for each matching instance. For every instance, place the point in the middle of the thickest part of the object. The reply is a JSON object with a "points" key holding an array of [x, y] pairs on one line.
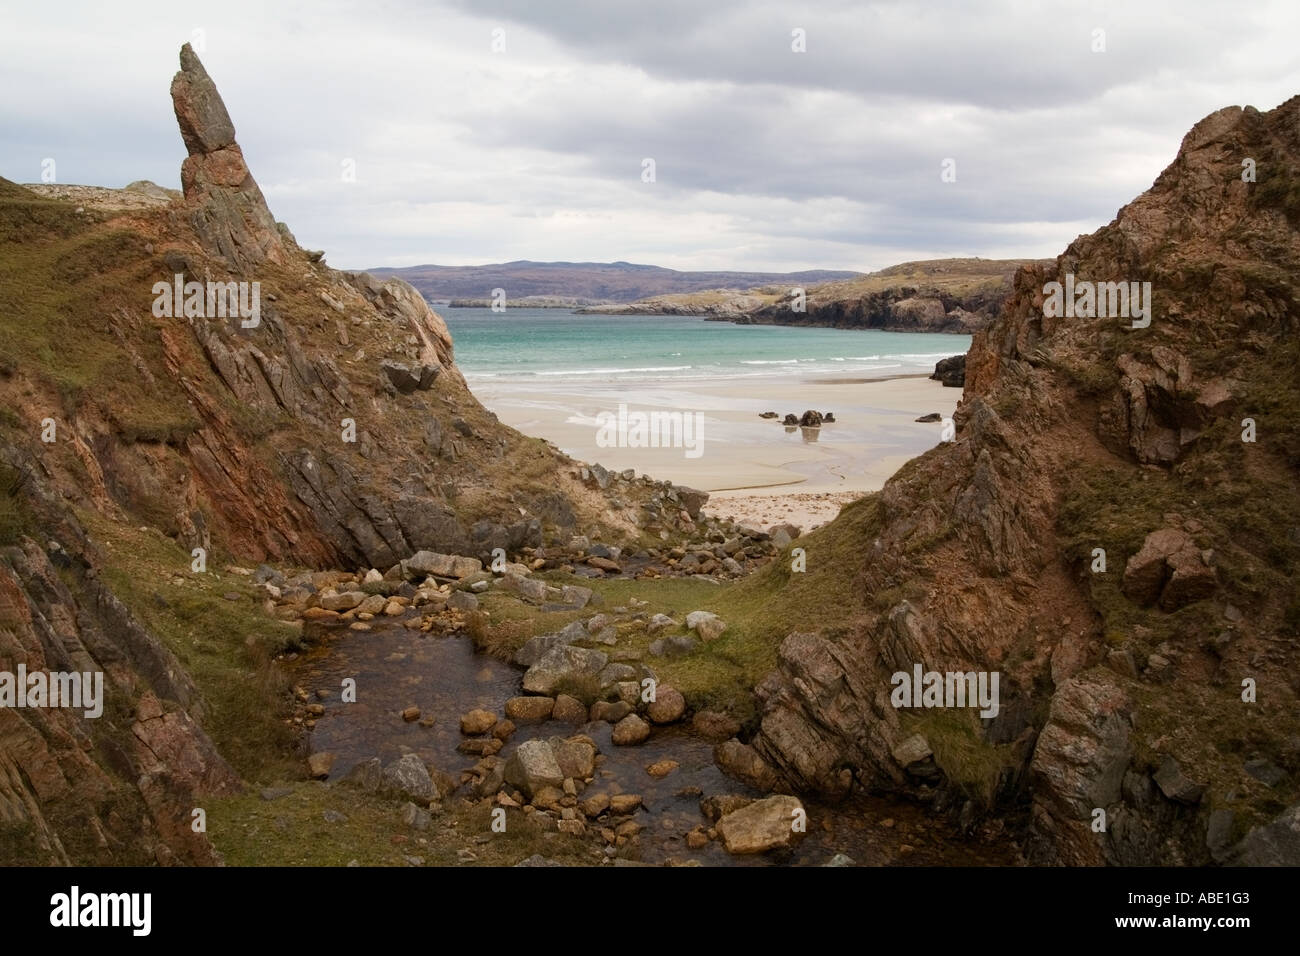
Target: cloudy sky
{"points": [[764, 158]]}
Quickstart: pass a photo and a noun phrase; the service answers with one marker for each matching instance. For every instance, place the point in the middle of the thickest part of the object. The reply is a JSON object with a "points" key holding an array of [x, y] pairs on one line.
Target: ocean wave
{"points": [[618, 371]]}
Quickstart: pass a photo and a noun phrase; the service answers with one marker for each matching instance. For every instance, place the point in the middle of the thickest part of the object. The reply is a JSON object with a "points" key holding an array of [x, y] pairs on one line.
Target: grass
{"points": [[226, 646], [292, 831], [759, 610], [970, 762]]}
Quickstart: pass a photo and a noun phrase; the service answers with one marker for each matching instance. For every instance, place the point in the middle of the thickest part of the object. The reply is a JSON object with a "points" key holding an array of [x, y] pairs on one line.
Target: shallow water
{"points": [[395, 667]]}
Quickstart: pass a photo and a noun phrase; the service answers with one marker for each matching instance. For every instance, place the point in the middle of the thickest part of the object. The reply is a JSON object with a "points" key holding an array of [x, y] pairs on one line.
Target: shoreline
{"points": [[759, 471]]}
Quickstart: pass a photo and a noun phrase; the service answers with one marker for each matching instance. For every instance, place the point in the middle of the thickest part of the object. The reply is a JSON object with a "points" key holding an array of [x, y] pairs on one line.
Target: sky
{"points": [[497, 130]]}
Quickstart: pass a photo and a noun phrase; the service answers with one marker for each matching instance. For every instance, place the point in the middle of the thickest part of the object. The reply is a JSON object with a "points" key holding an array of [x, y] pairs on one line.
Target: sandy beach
{"points": [[757, 470]]}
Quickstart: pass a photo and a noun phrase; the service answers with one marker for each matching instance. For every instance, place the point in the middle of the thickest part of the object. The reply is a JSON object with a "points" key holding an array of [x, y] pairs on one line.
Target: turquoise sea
{"points": [[542, 346]]}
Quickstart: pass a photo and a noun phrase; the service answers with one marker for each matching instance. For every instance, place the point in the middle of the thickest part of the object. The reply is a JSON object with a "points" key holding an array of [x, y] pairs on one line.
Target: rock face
{"points": [[51, 759], [334, 430], [1090, 496]]}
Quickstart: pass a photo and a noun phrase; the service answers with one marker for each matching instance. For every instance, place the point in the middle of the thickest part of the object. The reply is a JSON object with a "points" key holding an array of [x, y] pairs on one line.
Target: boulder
{"points": [[951, 371], [692, 500], [344, 601], [408, 777], [706, 624], [1169, 569], [1176, 785], [629, 731], [477, 721], [660, 622], [533, 766], [562, 663], [761, 826], [319, 764], [575, 756], [668, 706], [811, 419], [743, 762], [570, 710], [715, 725], [530, 709], [425, 563]]}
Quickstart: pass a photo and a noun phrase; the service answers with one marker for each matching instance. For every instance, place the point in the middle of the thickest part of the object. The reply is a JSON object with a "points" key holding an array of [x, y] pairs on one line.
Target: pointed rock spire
{"points": [[229, 212]]}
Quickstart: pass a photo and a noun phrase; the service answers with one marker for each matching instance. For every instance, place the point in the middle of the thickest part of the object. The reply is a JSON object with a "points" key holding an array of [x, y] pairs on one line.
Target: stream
{"points": [[395, 667]]}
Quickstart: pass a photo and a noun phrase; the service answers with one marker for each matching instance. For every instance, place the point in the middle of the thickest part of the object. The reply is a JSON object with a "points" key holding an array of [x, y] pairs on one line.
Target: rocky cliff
{"points": [[308, 416], [1115, 530]]}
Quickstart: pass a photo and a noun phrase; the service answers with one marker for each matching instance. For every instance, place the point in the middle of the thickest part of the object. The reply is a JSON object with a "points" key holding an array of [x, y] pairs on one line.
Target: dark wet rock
{"points": [[811, 419], [932, 417], [951, 371], [1265, 771]]}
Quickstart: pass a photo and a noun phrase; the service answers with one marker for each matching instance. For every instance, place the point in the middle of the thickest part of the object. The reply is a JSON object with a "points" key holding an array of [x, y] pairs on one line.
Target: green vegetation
{"points": [[293, 831], [226, 646], [960, 749]]}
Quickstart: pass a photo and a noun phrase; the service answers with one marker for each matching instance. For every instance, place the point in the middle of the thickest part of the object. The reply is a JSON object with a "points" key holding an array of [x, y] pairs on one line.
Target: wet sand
{"points": [[757, 470]]}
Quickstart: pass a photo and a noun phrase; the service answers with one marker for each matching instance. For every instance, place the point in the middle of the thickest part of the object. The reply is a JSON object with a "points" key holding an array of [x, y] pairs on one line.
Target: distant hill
{"points": [[606, 281], [935, 295]]}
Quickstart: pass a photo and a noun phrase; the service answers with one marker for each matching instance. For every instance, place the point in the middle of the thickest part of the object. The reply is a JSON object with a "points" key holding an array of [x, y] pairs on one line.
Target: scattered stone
{"points": [[659, 622], [477, 721], [622, 804], [612, 711], [569, 710], [630, 730], [530, 709], [411, 713], [668, 706], [462, 601], [661, 768], [706, 624], [319, 765]]}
